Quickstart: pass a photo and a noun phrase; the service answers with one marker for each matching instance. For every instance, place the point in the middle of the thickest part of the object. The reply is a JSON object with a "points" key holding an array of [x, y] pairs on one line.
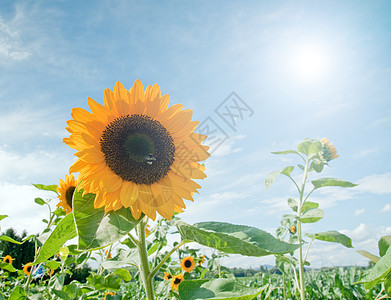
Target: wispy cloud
{"points": [[12, 47], [386, 208], [359, 211], [379, 184]]}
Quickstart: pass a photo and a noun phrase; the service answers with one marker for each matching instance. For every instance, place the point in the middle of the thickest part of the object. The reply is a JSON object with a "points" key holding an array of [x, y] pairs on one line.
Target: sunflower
{"points": [[135, 152], [66, 190], [176, 280], [27, 268], [329, 151], [292, 229], [108, 254], [109, 293], [201, 260], [187, 264], [167, 276], [8, 259]]}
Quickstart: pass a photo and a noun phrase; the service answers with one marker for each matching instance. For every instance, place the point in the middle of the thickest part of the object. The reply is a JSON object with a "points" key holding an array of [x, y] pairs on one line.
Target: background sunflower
{"points": [[188, 264], [135, 152], [66, 190], [176, 280]]}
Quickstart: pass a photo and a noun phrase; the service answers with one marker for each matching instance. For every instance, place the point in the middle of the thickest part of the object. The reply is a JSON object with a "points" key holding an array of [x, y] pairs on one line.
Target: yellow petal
{"points": [[129, 193]]}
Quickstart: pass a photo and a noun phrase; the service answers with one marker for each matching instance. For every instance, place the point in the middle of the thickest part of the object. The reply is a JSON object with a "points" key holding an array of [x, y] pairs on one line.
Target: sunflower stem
{"points": [[143, 254], [299, 233], [154, 271]]}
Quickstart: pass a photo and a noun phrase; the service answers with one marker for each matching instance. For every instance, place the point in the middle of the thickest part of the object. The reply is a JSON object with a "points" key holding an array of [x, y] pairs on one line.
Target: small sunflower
{"points": [[8, 259], [27, 268], [329, 151], [66, 190], [109, 293], [188, 264], [135, 152], [292, 229], [176, 280], [108, 254], [201, 260], [167, 276]]}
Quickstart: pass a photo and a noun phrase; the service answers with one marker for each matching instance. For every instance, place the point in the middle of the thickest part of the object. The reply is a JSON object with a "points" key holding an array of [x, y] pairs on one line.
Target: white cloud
{"points": [[379, 184], [386, 208], [359, 211], [17, 201], [11, 45], [33, 166]]}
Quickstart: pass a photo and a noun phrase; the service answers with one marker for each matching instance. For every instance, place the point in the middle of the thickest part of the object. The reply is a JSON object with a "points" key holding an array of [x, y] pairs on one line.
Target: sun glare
{"points": [[310, 62]]}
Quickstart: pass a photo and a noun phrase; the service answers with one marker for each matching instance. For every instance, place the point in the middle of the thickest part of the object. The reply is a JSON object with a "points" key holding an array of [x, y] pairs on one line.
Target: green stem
{"points": [[299, 233], [154, 271], [142, 251]]}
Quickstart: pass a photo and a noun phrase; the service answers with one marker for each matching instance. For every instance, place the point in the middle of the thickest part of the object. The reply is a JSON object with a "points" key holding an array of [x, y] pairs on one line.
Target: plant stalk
{"points": [[299, 233], [143, 254]]}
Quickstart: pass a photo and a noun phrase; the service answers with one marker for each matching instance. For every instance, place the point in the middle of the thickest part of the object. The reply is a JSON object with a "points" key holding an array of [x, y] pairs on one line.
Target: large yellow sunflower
{"points": [[66, 190], [135, 152]]}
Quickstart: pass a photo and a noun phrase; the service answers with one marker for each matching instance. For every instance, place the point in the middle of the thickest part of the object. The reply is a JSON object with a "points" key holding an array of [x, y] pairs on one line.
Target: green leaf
{"points": [[3, 217], [378, 271], [273, 175], [53, 265], [333, 237], [123, 274], [310, 147], [384, 243], [309, 205], [8, 267], [64, 231], [292, 204], [52, 188], [39, 201], [331, 182], [11, 240], [61, 294], [153, 249], [286, 152], [18, 294], [235, 239], [125, 258], [311, 216], [219, 288], [387, 284], [373, 258], [96, 228]]}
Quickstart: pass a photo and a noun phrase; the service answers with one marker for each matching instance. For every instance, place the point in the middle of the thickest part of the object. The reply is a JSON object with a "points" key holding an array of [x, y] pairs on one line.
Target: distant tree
{"points": [[21, 254]]}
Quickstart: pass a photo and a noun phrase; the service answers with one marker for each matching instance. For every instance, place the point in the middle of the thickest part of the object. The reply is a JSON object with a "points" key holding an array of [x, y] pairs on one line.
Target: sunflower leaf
{"points": [[331, 182], [312, 215], [273, 176], [95, 228], [52, 188], [333, 237], [235, 239], [218, 288], [64, 231], [373, 258], [6, 266], [3, 217]]}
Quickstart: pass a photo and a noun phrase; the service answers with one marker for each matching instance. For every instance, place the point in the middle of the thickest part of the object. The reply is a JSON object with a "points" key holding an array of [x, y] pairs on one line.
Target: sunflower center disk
{"points": [[138, 148], [69, 194], [187, 263]]}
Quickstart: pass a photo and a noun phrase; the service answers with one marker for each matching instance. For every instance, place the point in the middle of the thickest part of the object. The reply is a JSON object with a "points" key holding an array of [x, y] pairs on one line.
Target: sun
{"points": [[310, 62]]}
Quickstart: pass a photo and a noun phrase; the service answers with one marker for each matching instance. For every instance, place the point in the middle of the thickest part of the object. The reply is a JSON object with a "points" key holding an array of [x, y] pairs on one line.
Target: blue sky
{"points": [[305, 69]]}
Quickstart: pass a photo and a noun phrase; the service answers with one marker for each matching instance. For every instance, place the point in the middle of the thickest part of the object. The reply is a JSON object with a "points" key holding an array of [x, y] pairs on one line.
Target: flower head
{"points": [[188, 264], [176, 280], [109, 293], [292, 229], [108, 254], [328, 152], [135, 152], [66, 190], [202, 260], [8, 259], [167, 276], [27, 268]]}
